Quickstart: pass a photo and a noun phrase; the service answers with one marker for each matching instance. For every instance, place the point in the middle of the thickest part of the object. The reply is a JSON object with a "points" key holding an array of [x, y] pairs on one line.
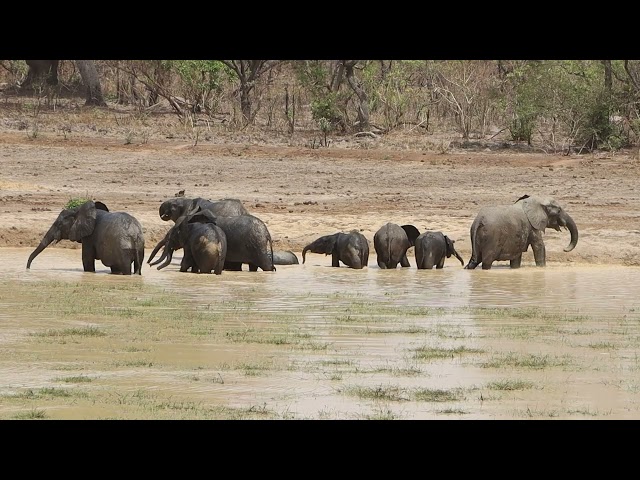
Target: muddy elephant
{"points": [[285, 257], [115, 238], [432, 248], [504, 232], [248, 241], [391, 243], [351, 248], [204, 244]]}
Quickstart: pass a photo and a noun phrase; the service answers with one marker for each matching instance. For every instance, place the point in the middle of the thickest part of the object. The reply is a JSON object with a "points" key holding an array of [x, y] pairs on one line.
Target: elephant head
{"points": [[72, 224], [450, 250], [324, 244], [174, 208], [546, 212]]}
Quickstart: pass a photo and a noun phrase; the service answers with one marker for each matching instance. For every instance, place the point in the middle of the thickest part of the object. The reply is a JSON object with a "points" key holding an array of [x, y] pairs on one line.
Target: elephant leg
{"points": [[539, 254], [187, 261], [440, 263], [471, 265], [515, 263], [404, 261], [253, 267], [233, 266], [382, 265], [219, 268], [88, 257], [335, 259], [115, 270]]}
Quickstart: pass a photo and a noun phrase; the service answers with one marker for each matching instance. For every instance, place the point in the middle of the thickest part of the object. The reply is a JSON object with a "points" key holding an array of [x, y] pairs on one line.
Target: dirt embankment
{"points": [[303, 193]]}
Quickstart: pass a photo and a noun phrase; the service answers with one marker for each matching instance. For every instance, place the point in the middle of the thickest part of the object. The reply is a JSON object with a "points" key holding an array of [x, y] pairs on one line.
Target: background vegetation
{"points": [[554, 105]]}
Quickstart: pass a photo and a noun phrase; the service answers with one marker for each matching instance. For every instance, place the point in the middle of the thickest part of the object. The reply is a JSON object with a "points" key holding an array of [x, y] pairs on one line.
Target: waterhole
{"points": [[315, 342]]}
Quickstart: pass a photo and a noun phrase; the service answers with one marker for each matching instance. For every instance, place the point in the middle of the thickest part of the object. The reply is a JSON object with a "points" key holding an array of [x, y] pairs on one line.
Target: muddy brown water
{"points": [[581, 321]]}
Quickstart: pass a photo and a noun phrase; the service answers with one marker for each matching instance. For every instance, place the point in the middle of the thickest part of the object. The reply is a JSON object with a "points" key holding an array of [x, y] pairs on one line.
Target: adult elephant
{"points": [[248, 241], [351, 248], [175, 208], [504, 232], [115, 238], [432, 248], [391, 243]]}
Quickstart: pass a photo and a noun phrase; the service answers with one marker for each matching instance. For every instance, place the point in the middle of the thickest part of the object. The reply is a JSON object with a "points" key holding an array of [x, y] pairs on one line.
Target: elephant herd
{"points": [[223, 235]]}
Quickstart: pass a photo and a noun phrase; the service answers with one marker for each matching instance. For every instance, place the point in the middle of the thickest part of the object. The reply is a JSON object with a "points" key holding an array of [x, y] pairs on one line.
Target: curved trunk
{"points": [[168, 255], [304, 252], [43, 244], [155, 250], [571, 226]]}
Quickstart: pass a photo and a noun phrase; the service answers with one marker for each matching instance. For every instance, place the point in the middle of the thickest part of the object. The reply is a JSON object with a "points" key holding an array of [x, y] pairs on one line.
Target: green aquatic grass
{"points": [[510, 385], [430, 353]]}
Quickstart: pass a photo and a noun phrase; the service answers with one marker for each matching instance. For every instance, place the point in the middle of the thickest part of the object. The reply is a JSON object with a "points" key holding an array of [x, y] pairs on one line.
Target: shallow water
{"points": [[588, 314]]}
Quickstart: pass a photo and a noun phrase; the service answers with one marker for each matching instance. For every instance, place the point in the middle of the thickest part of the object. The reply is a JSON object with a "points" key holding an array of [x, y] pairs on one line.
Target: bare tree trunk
{"points": [[363, 98], [46, 70], [91, 80], [248, 73]]}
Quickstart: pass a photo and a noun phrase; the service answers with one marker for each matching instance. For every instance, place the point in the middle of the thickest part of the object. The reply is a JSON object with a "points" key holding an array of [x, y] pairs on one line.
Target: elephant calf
{"points": [[432, 248], [351, 248], [284, 257], [391, 243], [204, 244]]}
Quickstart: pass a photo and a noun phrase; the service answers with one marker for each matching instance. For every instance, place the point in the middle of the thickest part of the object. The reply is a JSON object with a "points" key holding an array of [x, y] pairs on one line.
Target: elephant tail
{"points": [[137, 262], [273, 267]]}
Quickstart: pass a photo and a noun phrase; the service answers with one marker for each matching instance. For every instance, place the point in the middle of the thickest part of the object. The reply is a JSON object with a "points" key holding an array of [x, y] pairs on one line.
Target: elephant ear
{"points": [[412, 233], [450, 248], [84, 222], [535, 213], [202, 216], [101, 206]]}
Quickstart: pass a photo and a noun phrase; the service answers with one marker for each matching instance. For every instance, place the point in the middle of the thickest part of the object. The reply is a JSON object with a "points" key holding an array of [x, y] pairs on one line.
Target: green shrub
{"points": [[74, 202]]}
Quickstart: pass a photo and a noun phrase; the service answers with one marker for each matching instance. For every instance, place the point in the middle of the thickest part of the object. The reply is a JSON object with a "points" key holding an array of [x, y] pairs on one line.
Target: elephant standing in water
{"points": [[115, 238], [391, 243], [505, 232], [204, 243], [432, 248], [351, 248]]}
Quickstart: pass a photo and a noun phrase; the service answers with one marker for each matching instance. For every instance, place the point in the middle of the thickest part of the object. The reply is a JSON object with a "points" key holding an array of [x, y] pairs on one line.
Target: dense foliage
{"points": [[553, 104]]}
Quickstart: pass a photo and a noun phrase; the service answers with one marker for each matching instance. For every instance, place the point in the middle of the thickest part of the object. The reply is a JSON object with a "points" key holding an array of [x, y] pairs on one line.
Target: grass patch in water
{"points": [[510, 385], [517, 360], [75, 379], [68, 332], [431, 353]]}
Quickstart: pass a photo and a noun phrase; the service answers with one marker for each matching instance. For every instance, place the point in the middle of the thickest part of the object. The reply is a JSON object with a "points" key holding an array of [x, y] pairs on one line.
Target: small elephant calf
{"points": [[391, 243], [204, 244], [432, 248], [351, 248]]}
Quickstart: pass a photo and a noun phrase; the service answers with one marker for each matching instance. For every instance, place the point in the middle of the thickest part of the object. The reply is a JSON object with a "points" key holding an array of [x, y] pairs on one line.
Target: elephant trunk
{"points": [[44, 243], [304, 253], [573, 229], [167, 255], [155, 250]]}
